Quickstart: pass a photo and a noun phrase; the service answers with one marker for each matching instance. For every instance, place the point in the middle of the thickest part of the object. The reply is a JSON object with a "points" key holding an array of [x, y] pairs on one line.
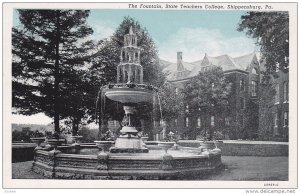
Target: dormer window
{"points": [[254, 71]]}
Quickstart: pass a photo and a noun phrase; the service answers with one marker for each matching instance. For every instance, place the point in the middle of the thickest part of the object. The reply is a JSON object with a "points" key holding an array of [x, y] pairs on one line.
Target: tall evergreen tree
{"points": [[45, 52], [271, 29]]}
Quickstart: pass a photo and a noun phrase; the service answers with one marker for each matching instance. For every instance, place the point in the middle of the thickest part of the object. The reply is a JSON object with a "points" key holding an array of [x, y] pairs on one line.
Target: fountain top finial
{"points": [[130, 30]]}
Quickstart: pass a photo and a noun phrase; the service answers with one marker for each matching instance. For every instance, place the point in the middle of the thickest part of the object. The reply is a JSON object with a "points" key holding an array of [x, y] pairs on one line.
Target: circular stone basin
{"points": [[89, 163], [129, 95]]}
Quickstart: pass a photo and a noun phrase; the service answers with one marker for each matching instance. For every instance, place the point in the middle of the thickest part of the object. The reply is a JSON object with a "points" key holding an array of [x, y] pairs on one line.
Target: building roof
{"points": [[170, 68], [225, 61], [245, 61]]}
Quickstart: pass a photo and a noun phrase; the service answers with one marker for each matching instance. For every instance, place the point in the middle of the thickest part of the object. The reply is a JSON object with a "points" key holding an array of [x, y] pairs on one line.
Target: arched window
{"points": [[253, 88], [242, 85], [286, 119], [277, 94], [286, 92], [198, 122], [254, 71], [212, 121], [187, 121], [227, 121]]}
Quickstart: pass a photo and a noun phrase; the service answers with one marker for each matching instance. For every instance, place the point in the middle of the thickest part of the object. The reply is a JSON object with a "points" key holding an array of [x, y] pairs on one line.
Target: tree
{"points": [[45, 50], [266, 102], [171, 102], [271, 29], [208, 93]]}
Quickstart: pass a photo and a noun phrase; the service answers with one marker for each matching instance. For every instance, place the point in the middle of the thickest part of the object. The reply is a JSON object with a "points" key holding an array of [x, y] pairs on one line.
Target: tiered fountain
{"points": [[129, 157]]}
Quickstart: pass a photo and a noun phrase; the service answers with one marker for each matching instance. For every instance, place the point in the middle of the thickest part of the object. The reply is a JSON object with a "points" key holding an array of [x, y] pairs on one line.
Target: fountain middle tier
{"points": [[129, 93]]}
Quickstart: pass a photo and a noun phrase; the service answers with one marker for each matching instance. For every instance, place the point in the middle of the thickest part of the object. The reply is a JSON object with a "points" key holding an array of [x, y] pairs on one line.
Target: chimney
{"points": [[179, 61]]}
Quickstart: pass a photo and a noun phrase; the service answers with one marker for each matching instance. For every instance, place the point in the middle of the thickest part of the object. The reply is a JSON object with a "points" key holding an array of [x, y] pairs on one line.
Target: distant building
{"points": [[244, 73]]}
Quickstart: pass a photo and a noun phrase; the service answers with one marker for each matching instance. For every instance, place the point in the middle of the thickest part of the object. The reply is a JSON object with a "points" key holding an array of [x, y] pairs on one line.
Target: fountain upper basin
{"points": [[129, 93]]}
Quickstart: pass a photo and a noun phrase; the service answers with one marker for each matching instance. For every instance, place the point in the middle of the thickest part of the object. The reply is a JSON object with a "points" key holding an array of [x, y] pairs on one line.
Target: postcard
{"points": [[150, 95]]}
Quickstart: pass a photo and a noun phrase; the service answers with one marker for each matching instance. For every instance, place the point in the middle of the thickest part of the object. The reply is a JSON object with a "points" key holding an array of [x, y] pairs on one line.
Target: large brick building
{"points": [[244, 74]]}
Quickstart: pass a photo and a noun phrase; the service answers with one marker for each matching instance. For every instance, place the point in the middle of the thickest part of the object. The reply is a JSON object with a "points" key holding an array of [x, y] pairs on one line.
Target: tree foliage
{"points": [[149, 55], [208, 91], [266, 103], [171, 102], [271, 29], [46, 56]]}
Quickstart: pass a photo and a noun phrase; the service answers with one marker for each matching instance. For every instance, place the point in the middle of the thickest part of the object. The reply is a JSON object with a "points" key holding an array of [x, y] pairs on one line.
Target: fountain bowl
{"points": [[124, 94], [155, 165]]}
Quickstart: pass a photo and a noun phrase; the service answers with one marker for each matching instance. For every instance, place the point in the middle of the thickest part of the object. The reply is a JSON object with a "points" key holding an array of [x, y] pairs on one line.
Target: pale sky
{"points": [[192, 32]]}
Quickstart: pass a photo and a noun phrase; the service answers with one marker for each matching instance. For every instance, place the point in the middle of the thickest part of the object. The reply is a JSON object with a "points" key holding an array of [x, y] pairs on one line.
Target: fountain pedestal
{"points": [[128, 141]]}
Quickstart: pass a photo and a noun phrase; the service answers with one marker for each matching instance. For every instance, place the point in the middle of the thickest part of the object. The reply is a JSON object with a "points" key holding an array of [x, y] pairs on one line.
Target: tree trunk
{"points": [[56, 77], [73, 126]]}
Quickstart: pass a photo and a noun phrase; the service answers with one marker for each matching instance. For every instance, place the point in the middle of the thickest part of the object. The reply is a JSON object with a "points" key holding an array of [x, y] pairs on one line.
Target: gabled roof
{"points": [[245, 61], [225, 61], [171, 68]]}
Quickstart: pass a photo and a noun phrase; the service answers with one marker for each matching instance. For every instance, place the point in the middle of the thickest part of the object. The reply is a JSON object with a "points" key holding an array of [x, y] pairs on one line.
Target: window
{"points": [[205, 68], [276, 120], [253, 88], [242, 121], [227, 121], [187, 108], [254, 71], [212, 121], [242, 85], [286, 119], [277, 67], [242, 103], [198, 122], [277, 94], [186, 121], [286, 92]]}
